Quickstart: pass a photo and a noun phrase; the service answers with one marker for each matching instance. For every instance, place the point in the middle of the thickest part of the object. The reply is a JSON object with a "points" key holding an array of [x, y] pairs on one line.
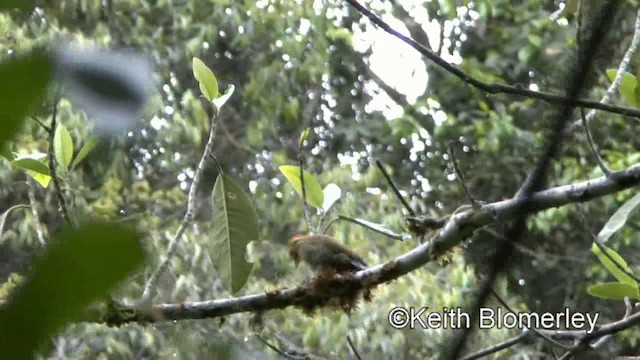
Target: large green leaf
{"points": [[235, 224], [611, 267], [62, 146], [312, 188], [613, 291], [84, 151], [618, 219], [24, 82], [627, 86], [206, 79], [79, 267]]}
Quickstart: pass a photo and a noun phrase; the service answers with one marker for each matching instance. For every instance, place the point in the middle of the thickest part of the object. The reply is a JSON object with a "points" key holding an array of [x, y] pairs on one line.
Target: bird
{"points": [[324, 253]]}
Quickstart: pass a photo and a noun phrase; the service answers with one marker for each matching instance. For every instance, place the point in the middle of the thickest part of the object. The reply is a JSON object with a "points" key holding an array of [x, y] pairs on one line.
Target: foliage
{"points": [[289, 66]]}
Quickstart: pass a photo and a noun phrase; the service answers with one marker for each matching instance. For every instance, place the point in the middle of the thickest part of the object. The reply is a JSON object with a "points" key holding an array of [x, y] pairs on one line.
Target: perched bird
{"points": [[322, 252]]}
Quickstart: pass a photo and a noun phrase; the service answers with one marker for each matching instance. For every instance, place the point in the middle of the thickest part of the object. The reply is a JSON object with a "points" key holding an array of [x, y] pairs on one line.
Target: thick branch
{"points": [[458, 228]]}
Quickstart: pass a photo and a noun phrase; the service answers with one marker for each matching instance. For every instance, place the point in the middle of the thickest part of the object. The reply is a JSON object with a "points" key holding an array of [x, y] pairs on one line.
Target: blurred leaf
{"points": [[3, 216], [24, 82], [620, 275], [374, 226], [206, 79], [62, 146], [17, 4], [303, 136], [613, 291], [618, 219], [627, 86], [331, 193], [110, 86], [312, 187], [84, 151], [221, 100], [79, 267], [235, 225]]}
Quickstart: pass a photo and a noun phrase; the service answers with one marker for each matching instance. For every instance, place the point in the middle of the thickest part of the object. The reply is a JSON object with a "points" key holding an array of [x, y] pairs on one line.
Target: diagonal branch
{"points": [[493, 88], [457, 229], [152, 283]]}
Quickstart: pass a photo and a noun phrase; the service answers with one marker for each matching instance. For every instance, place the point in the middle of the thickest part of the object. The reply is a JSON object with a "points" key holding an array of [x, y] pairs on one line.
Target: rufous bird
{"points": [[322, 252]]}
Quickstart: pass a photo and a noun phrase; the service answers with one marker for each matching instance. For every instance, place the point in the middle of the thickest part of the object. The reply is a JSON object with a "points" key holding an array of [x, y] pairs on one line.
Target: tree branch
{"points": [[52, 163], [458, 228], [493, 88], [152, 283]]}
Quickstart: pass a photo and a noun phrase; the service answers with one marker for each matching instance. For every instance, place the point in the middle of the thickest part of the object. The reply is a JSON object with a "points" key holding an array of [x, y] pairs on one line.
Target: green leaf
{"points": [[221, 100], [36, 166], [312, 187], [235, 225], [618, 219], [331, 193], [33, 162], [62, 146], [636, 89], [3, 216], [84, 151], [17, 4], [613, 291], [627, 86], [81, 266], [304, 136], [620, 275], [24, 82], [206, 80], [374, 226]]}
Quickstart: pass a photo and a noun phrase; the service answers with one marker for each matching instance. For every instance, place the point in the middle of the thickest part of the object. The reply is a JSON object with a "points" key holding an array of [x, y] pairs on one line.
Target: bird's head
{"points": [[294, 244]]}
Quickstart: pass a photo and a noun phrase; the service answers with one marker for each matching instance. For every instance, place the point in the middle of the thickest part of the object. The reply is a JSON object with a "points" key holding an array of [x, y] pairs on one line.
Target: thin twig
{"points": [[493, 88], [305, 205], [603, 334], [45, 127], [459, 176], [364, 224], [592, 145], [353, 348], [172, 248], [622, 67], [504, 303], [498, 347], [628, 310], [274, 348], [34, 211], [395, 189], [52, 163]]}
